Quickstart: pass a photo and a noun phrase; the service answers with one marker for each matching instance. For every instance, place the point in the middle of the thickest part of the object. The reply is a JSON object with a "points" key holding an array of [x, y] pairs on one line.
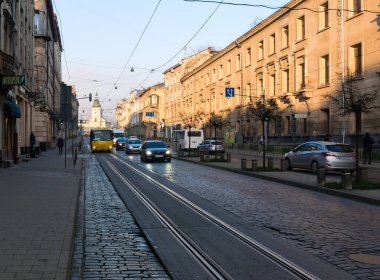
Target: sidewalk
{"points": [[38, 201], [303, 179]]}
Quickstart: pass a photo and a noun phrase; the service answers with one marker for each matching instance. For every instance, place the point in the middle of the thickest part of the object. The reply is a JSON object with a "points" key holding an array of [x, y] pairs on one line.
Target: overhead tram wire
{"points": [[277, 8], [184, 47], [134, 49], [61, 34]]}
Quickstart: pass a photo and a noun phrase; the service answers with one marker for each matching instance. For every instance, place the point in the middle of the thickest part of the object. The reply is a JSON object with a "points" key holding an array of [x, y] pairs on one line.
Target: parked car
{"points": [[211, 146], [120, 144], [133, 145], [155, 150], [322, 154]]}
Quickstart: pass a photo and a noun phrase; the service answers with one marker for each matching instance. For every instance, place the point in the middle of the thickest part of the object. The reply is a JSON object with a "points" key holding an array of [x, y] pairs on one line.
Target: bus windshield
{"points": [[101, 135]]}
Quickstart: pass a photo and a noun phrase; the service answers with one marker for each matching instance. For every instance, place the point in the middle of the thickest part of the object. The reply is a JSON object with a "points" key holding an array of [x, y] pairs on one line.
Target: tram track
{"points": [[209, 264]]}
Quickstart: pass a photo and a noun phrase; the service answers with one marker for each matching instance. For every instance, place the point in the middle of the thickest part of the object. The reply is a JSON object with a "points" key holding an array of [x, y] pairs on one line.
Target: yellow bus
{"points": [[101, 140]]}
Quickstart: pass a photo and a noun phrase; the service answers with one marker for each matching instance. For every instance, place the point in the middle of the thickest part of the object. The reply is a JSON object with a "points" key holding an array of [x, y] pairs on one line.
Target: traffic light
{"points": [[90, 97]]}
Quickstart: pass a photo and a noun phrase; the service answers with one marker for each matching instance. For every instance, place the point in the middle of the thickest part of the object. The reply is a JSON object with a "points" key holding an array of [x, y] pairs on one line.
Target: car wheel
{"points": [[289, 165], [314, 166]]}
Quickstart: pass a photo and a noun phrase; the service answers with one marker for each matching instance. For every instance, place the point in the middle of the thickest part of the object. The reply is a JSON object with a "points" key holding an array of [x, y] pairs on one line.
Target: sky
{"points": [[103, 40]]}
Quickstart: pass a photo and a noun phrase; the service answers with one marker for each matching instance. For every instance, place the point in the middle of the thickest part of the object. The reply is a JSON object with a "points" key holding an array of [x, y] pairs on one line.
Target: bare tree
{"points": [[263, 110], [352, 99]]}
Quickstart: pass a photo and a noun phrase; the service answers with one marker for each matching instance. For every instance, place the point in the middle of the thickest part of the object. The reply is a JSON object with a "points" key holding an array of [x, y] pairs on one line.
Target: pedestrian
{"points": [[32, 142], [260, 140], [367, 148], [60, 145]]}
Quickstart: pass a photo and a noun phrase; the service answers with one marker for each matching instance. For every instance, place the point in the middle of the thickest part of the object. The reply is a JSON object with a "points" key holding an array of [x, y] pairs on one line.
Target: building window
{"points": [[285, 37], [260, 53], [238, 63], [220, 71], [248, 57], [249, 91], [272, 43], [214, 75], [354, 7], [300, 74], [285, 81], [355, 59], [229, 67], [324, 70], [259, 84], [301, 28], [272, 85], [323, 16]]}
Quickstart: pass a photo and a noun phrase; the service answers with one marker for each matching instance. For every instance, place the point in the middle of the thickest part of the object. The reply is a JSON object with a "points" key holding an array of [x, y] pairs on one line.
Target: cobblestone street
{"points": [[114, 247], [329, 227]]}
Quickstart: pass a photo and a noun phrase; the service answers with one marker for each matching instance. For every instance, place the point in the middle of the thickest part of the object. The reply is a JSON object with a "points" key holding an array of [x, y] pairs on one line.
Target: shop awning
{"points": [[12, 110]]}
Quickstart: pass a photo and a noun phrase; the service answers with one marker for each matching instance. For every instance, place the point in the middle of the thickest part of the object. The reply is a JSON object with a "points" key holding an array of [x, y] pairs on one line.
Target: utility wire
{"points": [[61, 34], [134, 49], [276, 8], [184, 47]]}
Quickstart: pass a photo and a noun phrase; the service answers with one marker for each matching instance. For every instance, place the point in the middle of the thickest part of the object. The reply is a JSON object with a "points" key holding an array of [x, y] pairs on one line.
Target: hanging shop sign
{"points": [[13, 80]]}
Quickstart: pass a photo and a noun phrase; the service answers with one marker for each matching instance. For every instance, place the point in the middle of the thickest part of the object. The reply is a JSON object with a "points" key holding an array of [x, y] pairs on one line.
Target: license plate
{"points": [[159, 156]]}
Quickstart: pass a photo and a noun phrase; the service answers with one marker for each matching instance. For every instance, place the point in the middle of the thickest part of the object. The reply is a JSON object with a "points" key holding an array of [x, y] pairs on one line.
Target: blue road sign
{"points": [[230, 92], [149, 114]]}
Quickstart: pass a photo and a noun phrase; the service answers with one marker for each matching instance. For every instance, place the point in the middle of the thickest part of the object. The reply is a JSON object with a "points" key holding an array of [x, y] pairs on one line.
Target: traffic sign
{"points": [[230, 92], [149, 114]]}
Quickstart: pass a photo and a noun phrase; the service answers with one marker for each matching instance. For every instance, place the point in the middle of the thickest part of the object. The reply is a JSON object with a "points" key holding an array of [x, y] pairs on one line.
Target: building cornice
{"points": [[252, 32]]}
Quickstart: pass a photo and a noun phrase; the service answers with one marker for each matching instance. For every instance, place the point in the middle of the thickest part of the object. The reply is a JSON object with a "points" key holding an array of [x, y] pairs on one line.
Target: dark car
{"points": [[133, 145], [211, 146], [120, 143], [155, 150]]}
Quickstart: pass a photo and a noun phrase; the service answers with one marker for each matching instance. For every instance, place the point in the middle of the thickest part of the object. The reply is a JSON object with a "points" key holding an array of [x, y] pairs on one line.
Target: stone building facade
{"points": [[296, 57]]}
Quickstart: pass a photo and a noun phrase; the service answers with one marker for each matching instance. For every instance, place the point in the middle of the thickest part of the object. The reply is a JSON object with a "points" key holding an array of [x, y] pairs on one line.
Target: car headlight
{"points": [[148, 153], [110, 147], [167, 152]]}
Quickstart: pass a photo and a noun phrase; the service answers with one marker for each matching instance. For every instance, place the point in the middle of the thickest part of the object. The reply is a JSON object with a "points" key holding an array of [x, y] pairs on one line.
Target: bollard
{"points": [[321, 176], [228, 157], [202, 157], [270, 162], [363, 174], [347, 181], [284, 164], [254, 165], [243, 164]]}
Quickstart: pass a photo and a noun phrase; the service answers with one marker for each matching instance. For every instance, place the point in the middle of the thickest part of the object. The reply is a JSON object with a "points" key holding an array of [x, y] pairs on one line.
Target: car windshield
{"points": [[134, 141], [217, 142], [339, 148], [155, 145], [121, 140]]}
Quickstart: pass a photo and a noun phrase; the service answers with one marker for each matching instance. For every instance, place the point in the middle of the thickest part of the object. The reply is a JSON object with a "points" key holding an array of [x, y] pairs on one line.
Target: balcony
{"points": [[6, 64]]}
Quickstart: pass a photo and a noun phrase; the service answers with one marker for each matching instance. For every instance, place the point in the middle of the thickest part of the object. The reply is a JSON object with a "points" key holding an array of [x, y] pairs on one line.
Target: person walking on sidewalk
{"points": [[367, 148], [60, 145], [32, 141]]}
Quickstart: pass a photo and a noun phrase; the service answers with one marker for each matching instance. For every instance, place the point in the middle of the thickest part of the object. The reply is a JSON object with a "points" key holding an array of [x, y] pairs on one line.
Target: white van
{"points": [[181, 139], [117, 133]]}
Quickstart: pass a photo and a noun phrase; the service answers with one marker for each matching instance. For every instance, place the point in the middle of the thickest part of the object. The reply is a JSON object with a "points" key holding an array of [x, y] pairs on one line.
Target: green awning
{"points": [[12, 110]]}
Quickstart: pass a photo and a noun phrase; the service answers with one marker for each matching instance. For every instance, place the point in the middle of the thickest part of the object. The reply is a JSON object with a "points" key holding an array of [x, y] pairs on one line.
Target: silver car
{"points": [[133, 145], [322, 154], [211, 147]]}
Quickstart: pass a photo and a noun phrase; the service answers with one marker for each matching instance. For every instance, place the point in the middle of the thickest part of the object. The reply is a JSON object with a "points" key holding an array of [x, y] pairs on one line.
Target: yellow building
{"points": [[295, 57]]}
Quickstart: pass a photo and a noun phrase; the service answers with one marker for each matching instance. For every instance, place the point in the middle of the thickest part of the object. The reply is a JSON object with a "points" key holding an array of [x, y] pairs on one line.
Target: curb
{"points": [[337, 193]]}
